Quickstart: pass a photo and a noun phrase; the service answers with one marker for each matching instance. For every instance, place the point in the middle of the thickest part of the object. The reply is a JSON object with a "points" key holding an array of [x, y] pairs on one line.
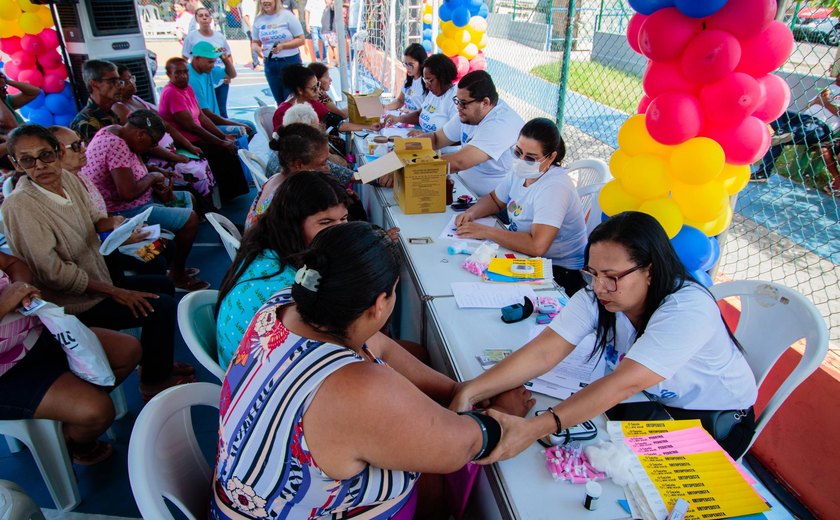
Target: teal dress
{"points": [[240, 305]]}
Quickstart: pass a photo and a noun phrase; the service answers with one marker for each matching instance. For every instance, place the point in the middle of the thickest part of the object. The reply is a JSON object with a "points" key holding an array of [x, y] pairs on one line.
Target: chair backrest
{"points": [[589, 172], [227, 232], [262, 118], [8, 188], [255, 165], [164, 458], [773, 317], [197, 322], [590, 206]]}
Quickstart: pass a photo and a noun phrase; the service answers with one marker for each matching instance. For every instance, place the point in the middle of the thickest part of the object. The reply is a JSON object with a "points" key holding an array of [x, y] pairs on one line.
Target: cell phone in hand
{"points": [[34, 305]]}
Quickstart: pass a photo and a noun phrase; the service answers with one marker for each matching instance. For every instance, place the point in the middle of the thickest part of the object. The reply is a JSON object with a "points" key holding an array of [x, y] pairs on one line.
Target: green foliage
{"points": [[601, 83]]}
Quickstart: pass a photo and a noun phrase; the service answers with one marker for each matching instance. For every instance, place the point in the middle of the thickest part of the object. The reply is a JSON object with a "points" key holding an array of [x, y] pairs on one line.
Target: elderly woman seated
{"points": [[52, 226], [35, 380]]}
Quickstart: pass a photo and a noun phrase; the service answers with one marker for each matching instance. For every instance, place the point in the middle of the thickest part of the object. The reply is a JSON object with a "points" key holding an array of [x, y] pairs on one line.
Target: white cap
{"points": [[593, 489]]}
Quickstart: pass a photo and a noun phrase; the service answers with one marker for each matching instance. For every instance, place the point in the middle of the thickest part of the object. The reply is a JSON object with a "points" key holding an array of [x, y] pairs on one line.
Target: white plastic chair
{"points": [[588, 172], [773, 317], [7, 187], [197, 322], [262, 118], [590, 205], [164, 458], [227, 232], [255, 165]]}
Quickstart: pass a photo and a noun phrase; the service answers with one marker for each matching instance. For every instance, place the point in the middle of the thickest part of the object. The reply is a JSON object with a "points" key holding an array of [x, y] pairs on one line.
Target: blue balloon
{"points": [[427, 34], [476, 3], [703, 277], [697, 8], [38, 102], [484, 11], [444, 13], [57, 104], [648, 7], [714, 246], [64, 119], [461, 17], [41, 116], [474, 10], [604, 217], [692, 247], [427, 44], [24, 111]]}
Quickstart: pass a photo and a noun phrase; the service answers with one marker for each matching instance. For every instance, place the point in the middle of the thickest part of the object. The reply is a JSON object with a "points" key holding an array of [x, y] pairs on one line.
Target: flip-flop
{"points": [[99, 452], [191, 284]]}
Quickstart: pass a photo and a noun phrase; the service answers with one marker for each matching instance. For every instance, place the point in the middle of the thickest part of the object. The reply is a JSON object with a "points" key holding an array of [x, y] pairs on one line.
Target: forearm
{"points": [[178, 137], [99, 287], [7, 118], [208, 132], [17, 270], [519, 241], [135, 189], [162, 153], [412, 118], [294, 43], [485, 206]]}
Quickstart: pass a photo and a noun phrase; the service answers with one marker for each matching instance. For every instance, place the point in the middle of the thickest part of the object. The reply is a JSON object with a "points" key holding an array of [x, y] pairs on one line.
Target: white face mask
{"points": [[523, 170]]}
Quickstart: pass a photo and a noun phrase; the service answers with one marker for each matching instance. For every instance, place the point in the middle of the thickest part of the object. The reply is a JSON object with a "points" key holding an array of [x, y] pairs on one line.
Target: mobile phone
{"points": [[638, 411], [461, 206]]}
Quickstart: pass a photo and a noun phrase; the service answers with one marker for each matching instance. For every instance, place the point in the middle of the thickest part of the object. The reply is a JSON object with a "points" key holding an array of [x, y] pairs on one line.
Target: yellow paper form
{"points": [[618, 429], [503, 266]]}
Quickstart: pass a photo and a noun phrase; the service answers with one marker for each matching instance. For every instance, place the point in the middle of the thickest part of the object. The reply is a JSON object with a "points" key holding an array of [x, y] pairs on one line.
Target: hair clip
{"points": [[275, 136], [308, 278], [148, 122]]}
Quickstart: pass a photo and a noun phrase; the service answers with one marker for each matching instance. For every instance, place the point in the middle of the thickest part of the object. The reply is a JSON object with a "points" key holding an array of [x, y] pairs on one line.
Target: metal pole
{"points": [[567, 55], [435, 24], [514, 10], [392, 43], [342, 44], [600, 15]]}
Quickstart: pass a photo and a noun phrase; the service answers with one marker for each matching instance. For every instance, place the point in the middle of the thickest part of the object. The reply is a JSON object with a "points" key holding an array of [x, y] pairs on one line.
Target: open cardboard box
{"points": [[419, 175], [364, 109]]}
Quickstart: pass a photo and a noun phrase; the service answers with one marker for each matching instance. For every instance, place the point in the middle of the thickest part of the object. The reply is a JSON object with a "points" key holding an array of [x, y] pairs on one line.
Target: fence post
{"points": [[598, 18], [514, 10], [564, 68]]}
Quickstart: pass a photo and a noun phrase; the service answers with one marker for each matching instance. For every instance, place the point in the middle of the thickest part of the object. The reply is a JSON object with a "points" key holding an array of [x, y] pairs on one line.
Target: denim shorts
{"points": [[171, 218]]}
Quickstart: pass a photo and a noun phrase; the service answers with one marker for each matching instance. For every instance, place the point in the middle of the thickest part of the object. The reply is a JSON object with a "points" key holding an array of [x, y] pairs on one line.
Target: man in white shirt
{"points": [[313, 12], [485, 127], [819, 121]]}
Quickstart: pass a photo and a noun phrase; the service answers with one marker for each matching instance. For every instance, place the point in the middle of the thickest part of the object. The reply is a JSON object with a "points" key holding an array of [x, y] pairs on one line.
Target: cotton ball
{"points": [[616, 460]]}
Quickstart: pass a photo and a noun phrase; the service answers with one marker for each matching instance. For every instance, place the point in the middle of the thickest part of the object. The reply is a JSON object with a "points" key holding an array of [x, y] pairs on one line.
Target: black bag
{"points": [[732, 429]]}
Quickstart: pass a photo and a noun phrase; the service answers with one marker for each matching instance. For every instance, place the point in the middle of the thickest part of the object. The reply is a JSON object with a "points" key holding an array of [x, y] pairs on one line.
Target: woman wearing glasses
{"points": [[413, 90], [658, 330], [542, 205]]}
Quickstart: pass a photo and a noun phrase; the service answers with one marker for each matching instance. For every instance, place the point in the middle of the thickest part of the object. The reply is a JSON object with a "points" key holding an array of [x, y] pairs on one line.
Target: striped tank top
{"points": [[263, 466]]}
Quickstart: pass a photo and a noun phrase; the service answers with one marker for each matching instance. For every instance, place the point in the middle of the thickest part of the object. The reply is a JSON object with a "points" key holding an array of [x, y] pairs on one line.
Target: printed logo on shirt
{"points": [[514, 208], [612, 357], [464, 138], [668, 394]]}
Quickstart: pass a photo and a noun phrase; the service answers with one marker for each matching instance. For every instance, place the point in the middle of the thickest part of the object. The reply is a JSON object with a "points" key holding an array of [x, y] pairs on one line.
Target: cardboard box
{"points": [[419, 175], [364, 109]]}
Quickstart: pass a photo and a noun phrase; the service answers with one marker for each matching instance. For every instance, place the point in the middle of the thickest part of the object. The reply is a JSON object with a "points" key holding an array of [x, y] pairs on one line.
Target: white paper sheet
{"points": [[448, 232], [393, 131], [571, 374], [478, 295]]}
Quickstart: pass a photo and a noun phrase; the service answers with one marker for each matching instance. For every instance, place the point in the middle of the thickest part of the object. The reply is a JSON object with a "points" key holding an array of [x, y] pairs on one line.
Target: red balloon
{"points": [[673, 117], [743, 18], [24, 60], [31, 43], [11, 70], [767, 51], [50, 60], [10, 45], [50, 38], [643, 104], [665, 33], [633, 31], [743, 143], [710, 56], [59, 71], [775, 95], [665, 77], [728, 101], [31, 76], [53, 83]]}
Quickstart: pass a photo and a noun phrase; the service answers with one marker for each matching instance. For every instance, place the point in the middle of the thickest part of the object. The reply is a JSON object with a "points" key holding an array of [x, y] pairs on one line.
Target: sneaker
{"points": [[783, 138]]}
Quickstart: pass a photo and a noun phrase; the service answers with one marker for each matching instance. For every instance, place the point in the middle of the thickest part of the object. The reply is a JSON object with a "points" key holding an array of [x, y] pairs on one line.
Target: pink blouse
{"points": [[107, 152], [18, 333]]}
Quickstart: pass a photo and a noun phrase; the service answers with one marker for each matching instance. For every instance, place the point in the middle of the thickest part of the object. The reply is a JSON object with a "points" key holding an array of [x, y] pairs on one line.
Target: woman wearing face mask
{"points": [[545, 214]]}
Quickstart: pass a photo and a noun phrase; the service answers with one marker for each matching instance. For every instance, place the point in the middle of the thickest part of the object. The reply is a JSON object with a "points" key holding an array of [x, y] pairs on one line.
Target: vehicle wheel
{"points": [[832, 38]]}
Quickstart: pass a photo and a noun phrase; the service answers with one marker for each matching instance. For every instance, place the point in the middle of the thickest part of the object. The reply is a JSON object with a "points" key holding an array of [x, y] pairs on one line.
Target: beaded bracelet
{"points": [[556, 420]]}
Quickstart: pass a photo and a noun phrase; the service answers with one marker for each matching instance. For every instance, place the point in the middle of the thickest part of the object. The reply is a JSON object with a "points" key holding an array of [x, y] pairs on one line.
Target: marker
{"points": [[593, 493]]}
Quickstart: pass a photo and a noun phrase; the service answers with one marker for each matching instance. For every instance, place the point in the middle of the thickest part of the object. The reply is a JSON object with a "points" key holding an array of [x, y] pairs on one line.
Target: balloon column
{"points": [[462, 37], [27, 37], [709, 95], [428, 17]]}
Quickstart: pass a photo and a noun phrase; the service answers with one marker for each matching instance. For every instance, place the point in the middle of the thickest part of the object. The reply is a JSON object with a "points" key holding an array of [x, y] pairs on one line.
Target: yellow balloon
{"points": [[427, 18], [31, 23], [7, 30], [618, 163], [449, 47], [716, 226], [613, 199], [697, 160], [439, 40], [448, 28], [700, 202], [666, 212], [427, 8], [734, 178], [9, 10], [482, 43], [46, 17], [234, 3], [645, 176], [27, 6], [470, 51], [634, 138]]}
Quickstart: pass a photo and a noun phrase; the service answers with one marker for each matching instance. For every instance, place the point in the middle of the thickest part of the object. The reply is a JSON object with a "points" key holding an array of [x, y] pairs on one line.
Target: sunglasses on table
{"points": [[26, 161], [610, 282]]}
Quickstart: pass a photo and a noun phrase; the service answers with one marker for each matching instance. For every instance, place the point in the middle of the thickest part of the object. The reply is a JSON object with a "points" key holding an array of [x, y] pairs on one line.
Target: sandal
{"points": [[190, 284], [96, 452], [174, 380]]}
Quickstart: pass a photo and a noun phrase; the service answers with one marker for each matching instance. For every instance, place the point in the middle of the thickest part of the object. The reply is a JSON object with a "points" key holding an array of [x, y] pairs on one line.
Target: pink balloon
{"points": [[665, 33], [53, 83], [59, 71], [11, 70], [462, 64], [633, 31], [31, 43], [31, 76], [478, 63], [665, 77], [767, 51], [643, 104], [710, 56], [50, 60], [728, 101], [743, 18], [775, 94], [49, 37], [743, 143], [673, 117], [24, 60], [10, 45]]}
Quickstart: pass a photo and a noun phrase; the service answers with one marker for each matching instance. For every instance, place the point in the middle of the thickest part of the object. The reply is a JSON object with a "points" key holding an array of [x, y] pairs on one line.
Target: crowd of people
{"points": [[302, 308]]}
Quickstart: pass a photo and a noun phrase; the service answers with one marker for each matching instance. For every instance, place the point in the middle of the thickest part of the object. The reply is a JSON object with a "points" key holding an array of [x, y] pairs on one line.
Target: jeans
{"points": [[805, 129], [221, 97], [255, 56], [158, 336], [238, 130], [320, 54], [274, 68]]}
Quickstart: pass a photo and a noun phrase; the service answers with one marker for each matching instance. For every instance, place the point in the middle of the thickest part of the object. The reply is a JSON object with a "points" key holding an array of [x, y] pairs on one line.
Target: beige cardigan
{"points": [[58, 243]]}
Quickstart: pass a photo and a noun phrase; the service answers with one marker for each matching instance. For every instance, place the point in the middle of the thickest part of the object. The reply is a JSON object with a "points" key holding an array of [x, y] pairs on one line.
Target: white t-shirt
{"points": [[184, 24], [315, 8], [413, 95], [436, 111], [494, 135], [824, 114], [553, 201], [685, 342], [271, 29], [217, 40], [353, 15], [248, 8]]}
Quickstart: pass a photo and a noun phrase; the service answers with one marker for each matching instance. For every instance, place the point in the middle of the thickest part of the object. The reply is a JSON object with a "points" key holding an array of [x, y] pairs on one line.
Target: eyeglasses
{"points": [[27, 162], [519, 154], [409, 65], [610, 283], [131, 79], [316, 87], [76, 146], [461, 103], [113, 81]]}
